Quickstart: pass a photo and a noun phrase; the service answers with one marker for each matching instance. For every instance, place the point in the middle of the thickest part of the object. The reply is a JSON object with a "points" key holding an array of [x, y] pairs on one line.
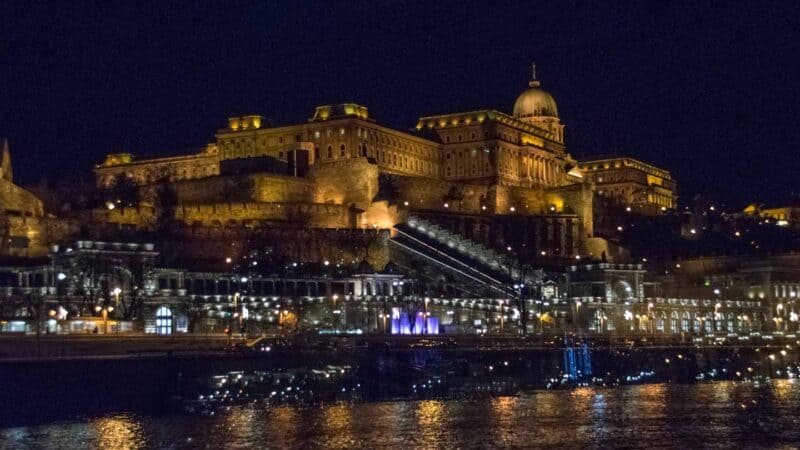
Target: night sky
{"points": [[706, 91]]}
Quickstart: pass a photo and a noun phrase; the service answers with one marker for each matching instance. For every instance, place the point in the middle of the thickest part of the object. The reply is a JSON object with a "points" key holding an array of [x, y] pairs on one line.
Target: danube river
{"points": [[722, 414]]}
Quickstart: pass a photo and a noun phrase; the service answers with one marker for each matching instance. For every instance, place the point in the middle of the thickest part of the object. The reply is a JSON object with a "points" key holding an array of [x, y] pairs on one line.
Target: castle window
{"points": [[330, 152], [316, 153], [316, 134], [297, 138], [459, 138], [447, 155], [447, 138], [341, 149], [341, 131], [280, 140]]}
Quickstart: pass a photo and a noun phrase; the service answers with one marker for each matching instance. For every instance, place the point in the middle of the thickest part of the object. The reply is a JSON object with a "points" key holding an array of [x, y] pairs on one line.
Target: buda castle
{"points": [[496, 178]]}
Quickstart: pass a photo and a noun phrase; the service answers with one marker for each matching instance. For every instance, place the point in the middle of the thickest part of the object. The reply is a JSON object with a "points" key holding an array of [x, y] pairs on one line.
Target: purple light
{"points": [[433, 325]]}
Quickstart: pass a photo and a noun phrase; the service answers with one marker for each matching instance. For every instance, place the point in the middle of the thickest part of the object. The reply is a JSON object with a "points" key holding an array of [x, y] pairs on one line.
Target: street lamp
{"points": [[383, 316], [116, 292], [104, 310]]}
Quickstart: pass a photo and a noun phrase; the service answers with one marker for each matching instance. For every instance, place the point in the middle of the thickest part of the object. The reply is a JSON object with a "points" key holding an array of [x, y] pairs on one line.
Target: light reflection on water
{"points": [[723, 414]]}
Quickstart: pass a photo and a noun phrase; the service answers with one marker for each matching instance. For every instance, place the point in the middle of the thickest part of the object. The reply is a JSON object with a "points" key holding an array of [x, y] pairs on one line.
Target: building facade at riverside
{"points": [[483, 217], [112, 287]]}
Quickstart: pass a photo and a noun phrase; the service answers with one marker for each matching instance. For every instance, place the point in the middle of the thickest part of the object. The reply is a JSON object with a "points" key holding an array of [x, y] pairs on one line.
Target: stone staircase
{"points": [[454, 252]]}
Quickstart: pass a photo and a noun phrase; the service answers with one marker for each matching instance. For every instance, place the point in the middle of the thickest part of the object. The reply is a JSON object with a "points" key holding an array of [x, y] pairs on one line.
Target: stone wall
{"points": [[432, 194], [33, 236], [238, 188], [16, 199], [577, 199], [233, 214], [347, 246], [517, 200], [351, 181]]}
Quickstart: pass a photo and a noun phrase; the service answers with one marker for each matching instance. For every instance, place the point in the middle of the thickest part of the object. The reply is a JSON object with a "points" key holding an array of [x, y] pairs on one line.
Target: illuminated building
{"points": [[633, 183]]}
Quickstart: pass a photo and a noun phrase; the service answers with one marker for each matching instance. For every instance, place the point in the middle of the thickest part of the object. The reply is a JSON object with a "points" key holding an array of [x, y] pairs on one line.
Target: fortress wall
{"points": [[575, 198], [17, 199], [307, 214], [40, 233], [293, 244], [225, 214], [276, 188], [351, 181], [240, 188], [432, 194], [523, 200]]}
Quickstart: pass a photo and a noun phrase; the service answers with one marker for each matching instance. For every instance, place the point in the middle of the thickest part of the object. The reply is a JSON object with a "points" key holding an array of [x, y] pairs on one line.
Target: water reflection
{"points": [[432, 423], [665, 415], [283, 424], [123, 432], [336, 430], [505, 419]]}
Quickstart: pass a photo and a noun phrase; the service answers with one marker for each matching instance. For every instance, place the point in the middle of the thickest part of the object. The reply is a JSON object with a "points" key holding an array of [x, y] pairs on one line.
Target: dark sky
{"points": [[706, 90]]}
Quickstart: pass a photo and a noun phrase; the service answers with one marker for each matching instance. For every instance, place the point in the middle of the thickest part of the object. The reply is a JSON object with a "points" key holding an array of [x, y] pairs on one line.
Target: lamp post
{"points": [[104, 310], [116, 292], [383, 316]]}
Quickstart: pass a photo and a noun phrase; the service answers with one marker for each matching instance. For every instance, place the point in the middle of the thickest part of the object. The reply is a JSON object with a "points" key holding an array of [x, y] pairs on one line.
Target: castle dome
{"points": [[535, 102]]}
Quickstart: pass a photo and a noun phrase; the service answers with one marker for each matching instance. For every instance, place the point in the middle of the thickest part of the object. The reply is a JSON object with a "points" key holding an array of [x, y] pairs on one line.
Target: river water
{"points": [[722, 414]]}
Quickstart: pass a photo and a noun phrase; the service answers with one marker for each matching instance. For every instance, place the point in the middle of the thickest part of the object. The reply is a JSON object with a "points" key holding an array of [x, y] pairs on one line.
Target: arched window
{"points": [[163, 320]]}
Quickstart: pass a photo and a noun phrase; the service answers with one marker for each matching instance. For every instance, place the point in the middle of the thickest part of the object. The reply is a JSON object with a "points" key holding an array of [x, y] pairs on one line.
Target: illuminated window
{"points": [[163, 320]]}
